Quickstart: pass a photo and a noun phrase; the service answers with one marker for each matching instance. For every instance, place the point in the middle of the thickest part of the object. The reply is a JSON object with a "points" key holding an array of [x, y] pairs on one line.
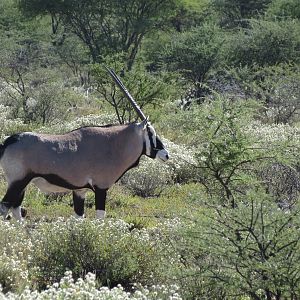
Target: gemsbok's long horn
{"points": [[126, 93]]}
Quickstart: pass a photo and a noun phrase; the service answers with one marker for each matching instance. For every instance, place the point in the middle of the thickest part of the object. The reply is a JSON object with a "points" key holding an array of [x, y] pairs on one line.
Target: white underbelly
{"points": [[47, 187]]}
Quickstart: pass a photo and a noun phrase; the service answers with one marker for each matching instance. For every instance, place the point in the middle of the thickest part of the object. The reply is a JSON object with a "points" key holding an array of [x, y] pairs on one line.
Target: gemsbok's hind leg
{"points": [[78, 201], [17, 213], [13, 198], [100, 198]]}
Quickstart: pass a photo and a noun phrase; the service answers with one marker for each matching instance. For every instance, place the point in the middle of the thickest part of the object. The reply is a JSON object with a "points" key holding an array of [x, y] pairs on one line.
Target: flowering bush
{"points": [[7, 124], [152, 176], [87, 289], [15, 254], [115, 253], [273, 133], [182, 161], [148, 179], [112, 250]]}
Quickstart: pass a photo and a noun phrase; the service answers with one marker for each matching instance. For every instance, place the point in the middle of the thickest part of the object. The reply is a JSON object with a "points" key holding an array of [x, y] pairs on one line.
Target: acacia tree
{"points": [[250, 252], [234, 12], [105, 26]]}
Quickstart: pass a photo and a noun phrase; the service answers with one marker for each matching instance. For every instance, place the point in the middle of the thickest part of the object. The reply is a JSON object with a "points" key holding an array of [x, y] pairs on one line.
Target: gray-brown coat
{"points": [[87, 158]]}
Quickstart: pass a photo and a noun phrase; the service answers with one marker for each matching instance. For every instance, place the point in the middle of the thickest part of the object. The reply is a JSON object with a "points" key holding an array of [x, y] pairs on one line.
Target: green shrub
{"points": [[116, 254], [15, 255], [223, 149], [252, 250], [193, 53], [68, 289], [284, 8], [151, 177], [264, 43], [233, 13], [277, 87], [9, 125], [112, 250]]}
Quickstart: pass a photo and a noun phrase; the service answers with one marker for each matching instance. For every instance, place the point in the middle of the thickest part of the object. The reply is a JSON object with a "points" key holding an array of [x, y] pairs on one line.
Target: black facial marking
{"points": [[153, 150], [150, 134], [159, 144]]}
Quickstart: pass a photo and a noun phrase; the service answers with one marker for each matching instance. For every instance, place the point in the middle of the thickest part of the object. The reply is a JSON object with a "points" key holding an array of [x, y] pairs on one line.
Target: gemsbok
{"points": [[89, 158]]}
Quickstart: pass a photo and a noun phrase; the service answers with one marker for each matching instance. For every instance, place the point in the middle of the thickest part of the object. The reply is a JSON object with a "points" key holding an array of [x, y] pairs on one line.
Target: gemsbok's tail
{"points": [[8, 141], [2, 149]]}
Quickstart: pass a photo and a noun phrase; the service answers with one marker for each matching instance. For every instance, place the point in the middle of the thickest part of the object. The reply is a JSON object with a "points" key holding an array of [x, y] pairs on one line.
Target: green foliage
{"points": [[190, 13], [252, 250], [264, 43], [111, 250], [74, 54], [234, 12], [285, 8], [37, 97], [276, 86], [193, 53], [224, 149], [28, 78], [91, 22]]}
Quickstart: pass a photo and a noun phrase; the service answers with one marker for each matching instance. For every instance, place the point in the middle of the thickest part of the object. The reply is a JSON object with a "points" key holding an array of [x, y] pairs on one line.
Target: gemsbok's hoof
{"points": [[3, 210], [23, 212]]}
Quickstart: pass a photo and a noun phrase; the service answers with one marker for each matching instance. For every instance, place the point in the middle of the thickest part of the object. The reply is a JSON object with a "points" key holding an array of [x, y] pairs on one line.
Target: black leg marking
{"points": [[78, 201], [19, 199], [100, 197], [15, 193]]}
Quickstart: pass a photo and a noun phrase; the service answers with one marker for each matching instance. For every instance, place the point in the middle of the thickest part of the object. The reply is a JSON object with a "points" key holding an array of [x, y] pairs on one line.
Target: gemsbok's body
{"points": [[88, 158]]}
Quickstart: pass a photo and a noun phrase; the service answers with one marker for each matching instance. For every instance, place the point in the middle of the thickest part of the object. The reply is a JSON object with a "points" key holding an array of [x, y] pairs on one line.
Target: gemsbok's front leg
{"points": [[100, 198]]}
